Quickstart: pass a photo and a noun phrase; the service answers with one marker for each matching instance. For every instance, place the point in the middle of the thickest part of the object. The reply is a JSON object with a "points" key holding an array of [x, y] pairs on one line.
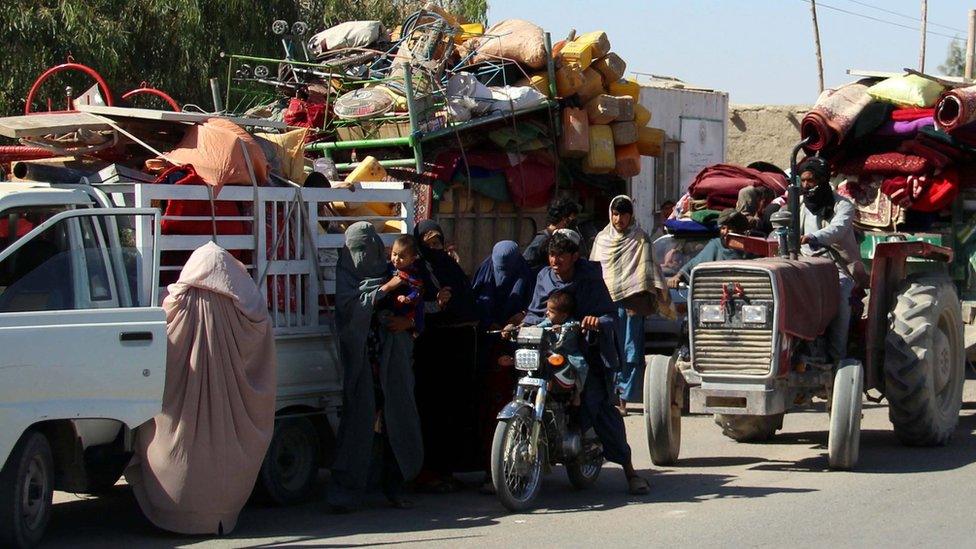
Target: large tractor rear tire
{"points": [[924, 366], [743, 428]]}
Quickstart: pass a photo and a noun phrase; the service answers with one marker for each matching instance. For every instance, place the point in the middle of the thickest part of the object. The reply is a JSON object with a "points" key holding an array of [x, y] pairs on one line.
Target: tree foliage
{"points": [[174, 45], [955, 63]]}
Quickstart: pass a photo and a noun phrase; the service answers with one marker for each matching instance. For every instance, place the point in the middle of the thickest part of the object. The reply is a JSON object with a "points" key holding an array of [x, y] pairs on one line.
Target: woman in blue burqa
{"points": [[502, 289], [379, 435]]}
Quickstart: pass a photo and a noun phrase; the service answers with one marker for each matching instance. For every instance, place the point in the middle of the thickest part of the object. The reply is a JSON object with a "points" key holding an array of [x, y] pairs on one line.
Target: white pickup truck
{"points": [[83, 337]]}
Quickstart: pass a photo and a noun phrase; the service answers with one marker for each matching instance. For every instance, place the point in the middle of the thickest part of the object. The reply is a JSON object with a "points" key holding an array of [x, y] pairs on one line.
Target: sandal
{"points": [[638, 486]]}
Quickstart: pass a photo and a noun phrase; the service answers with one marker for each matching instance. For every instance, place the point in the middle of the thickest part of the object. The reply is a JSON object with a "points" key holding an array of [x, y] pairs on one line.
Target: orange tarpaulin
{"points": [[214, 149]]}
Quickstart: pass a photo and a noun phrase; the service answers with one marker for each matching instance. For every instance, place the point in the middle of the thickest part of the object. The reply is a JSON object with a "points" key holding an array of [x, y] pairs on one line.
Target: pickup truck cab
{"points": [[84, 348]]}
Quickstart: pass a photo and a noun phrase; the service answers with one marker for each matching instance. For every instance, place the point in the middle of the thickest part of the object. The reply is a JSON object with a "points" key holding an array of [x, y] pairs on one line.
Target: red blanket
{"points": [[907, 114], [889, 163], [720, 184]]}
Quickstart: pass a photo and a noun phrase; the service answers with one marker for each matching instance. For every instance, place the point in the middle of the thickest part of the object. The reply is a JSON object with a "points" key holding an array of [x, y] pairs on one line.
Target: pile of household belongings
{"points": [[604, 126], [902, 148], [464, 72]]}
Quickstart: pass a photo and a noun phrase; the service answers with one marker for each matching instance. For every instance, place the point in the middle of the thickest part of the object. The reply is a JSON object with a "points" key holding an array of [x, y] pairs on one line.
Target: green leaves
{"points": [[173, 45]]}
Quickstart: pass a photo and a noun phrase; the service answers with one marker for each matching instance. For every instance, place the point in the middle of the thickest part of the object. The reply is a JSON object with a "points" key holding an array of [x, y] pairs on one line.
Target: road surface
{"points": [[720, 494]]}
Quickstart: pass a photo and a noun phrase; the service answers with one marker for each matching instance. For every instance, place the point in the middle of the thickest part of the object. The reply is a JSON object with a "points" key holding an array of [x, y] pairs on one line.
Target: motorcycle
{"points": [[538, 428]]}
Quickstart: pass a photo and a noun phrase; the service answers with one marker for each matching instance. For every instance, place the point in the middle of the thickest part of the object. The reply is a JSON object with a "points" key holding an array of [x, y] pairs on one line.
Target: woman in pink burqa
{"points": [[196, 462]]}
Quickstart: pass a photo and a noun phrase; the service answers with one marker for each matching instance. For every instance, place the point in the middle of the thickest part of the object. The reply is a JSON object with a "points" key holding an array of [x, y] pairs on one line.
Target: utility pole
{"points": [[816, 42], [925, 19], [970, 44]]}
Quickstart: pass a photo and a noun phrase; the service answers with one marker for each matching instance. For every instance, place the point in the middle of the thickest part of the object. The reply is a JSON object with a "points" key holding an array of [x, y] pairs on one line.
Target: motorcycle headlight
{"points": [[754, 314], [526, 359], [711, 313]]}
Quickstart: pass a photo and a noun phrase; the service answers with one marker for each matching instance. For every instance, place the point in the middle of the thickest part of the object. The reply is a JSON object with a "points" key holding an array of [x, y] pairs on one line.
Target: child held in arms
{"points": [[408, 300]]}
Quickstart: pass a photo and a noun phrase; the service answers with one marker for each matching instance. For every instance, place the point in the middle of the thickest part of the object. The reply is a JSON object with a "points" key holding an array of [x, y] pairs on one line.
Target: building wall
{"points": [[763, 132], [669, 106]]}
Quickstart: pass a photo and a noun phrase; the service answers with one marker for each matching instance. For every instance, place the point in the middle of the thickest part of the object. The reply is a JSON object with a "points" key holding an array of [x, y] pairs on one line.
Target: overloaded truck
{"points": [[84, 336], [753, 357]]}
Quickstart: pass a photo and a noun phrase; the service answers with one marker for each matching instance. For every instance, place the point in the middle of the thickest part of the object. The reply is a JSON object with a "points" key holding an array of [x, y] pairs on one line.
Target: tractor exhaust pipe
{"points": [[793, 199]]}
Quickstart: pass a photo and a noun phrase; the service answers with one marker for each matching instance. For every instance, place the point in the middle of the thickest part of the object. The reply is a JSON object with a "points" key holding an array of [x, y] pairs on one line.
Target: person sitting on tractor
{"points": [[729, 221], [826, 226]]}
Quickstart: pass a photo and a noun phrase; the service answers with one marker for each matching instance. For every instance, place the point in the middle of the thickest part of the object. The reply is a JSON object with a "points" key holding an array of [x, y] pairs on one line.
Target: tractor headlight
{"points": [[711, 313], [754, 314]]}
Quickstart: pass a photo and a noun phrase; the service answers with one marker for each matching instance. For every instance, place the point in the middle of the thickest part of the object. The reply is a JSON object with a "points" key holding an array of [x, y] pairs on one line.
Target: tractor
{"points": [[756, 336]]}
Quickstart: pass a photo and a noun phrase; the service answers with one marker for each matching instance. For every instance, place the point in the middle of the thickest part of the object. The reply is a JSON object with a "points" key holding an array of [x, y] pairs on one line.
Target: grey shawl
{"points": [[361, 271]]}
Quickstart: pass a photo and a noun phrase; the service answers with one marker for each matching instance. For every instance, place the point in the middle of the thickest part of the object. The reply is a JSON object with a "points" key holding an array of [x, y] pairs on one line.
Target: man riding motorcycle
{"points": [[568, 272]]}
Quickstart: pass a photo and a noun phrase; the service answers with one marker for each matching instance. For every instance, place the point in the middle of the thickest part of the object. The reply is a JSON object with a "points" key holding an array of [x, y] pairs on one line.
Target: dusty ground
{"points": [[720, 494]]}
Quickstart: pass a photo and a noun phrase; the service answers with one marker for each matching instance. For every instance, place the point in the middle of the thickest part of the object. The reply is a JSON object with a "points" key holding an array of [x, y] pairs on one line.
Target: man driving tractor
{"points": [[826, 226]]}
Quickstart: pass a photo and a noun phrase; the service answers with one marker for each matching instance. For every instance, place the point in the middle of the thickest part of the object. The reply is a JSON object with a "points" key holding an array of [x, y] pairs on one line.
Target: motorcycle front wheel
{"points": [[516, 476]]}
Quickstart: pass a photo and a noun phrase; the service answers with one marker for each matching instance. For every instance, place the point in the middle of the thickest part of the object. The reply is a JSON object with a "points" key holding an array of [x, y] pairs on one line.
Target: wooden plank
{"points": [[173, 116], [33, 125], [950, 81]]}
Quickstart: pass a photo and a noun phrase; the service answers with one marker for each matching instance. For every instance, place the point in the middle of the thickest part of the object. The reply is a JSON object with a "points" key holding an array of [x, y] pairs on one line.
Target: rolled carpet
{"points": [[834, 115], [956, 108]]}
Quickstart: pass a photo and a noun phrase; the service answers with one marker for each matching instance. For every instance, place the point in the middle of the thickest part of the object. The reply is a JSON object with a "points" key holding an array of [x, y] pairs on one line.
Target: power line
{"points": [[909, 17], [879, 20]]}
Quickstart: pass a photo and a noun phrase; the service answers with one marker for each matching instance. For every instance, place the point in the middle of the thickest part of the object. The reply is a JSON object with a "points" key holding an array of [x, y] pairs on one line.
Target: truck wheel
{"points": [[291, 465], [26, 489], [662, 410], [742, 428], [924, 361], [844, 439]]}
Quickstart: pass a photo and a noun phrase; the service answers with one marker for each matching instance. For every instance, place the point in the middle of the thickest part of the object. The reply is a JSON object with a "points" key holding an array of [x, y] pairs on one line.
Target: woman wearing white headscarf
{"points": [[636, 286]]}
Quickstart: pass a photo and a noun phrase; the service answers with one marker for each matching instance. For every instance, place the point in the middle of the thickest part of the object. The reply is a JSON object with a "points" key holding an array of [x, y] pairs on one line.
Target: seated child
{"points": [[408, 299], [560, 308]]}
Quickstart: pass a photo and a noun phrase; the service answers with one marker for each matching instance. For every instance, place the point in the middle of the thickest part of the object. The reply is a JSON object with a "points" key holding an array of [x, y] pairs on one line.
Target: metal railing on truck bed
{"points": [[281, 234]]}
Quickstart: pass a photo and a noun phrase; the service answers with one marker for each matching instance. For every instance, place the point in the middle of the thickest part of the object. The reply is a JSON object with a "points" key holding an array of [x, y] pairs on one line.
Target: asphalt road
{"points": [[720, 494]]}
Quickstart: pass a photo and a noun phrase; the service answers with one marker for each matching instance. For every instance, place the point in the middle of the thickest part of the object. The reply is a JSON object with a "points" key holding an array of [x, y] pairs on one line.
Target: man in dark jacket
{"points": [[561, 215], [570, 273]]}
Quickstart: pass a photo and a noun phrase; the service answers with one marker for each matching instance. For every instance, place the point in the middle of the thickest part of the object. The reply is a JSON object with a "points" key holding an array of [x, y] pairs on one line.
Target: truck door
{"points": [[81, 335]]}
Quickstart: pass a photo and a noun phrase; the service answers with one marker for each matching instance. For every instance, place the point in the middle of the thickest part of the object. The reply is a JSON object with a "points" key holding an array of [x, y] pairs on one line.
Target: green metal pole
{"points": [[418, 154], [360, 144], [551, 66]]}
